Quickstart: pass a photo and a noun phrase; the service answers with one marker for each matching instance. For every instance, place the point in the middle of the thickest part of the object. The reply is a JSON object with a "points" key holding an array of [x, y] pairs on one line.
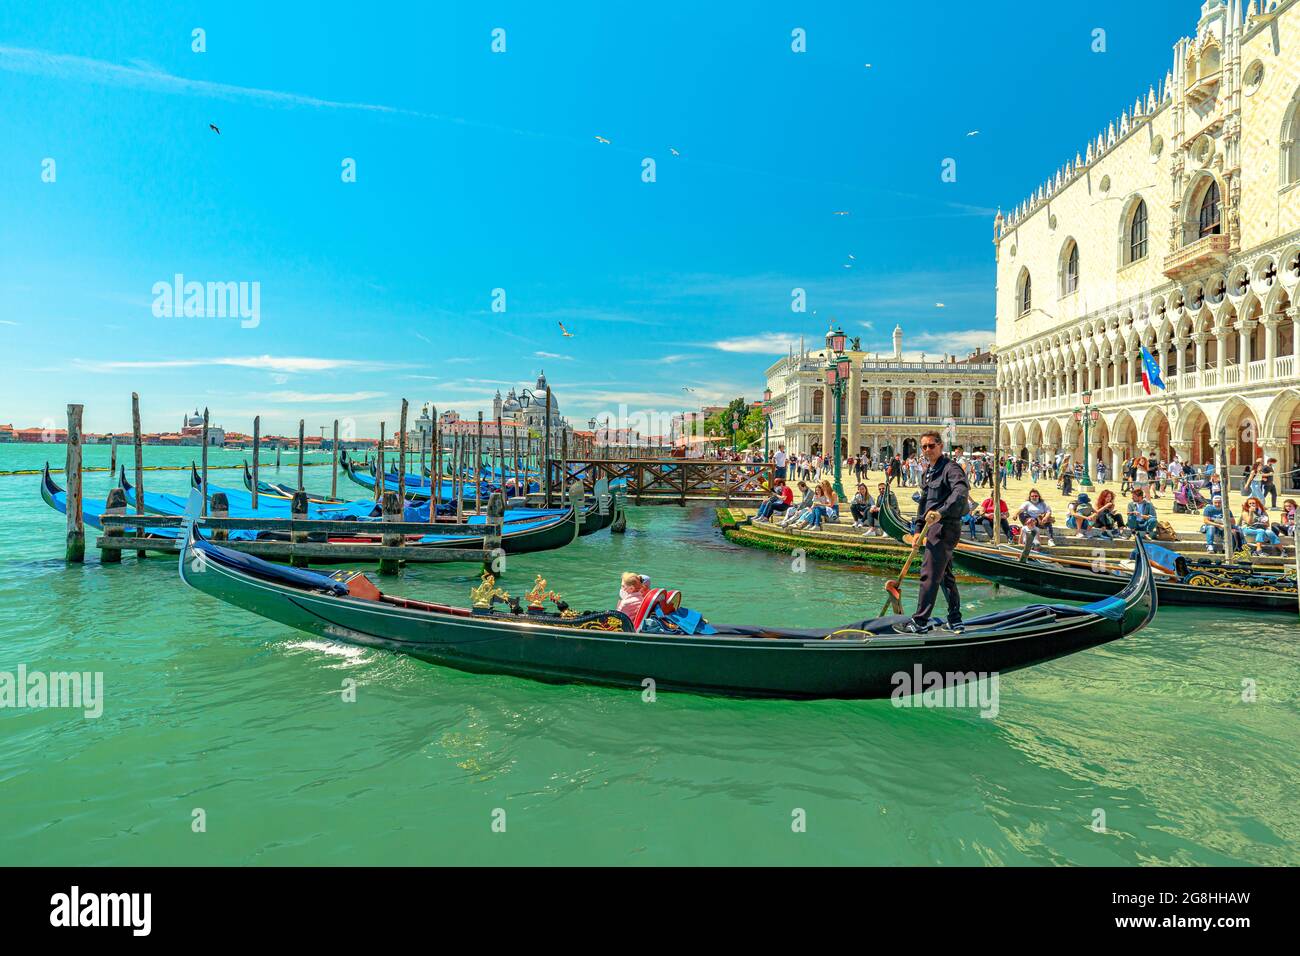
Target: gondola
{"points": [[863, 659], [522, 532], [1178, 579], [271, 489], [91, 511], [365, 477]]}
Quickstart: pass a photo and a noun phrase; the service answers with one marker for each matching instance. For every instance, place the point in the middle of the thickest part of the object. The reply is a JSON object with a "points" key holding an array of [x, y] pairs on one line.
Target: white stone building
{"points": [[1177, 228], [887, 404]]}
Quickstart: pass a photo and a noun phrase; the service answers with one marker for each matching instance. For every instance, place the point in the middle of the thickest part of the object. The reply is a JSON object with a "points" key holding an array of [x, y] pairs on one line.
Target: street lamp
{"points": [[837, 377], [1087, 415], [591, 426], [767, 418]]}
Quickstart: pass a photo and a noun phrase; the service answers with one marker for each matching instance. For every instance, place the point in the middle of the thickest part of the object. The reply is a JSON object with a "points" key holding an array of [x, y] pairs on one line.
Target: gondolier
{"points": [[944, 500]]}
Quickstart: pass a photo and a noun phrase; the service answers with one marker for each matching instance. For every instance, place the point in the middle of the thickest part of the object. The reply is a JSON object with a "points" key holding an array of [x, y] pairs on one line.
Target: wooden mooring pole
{"points": [[139, 467], [392, 511], [334, 462], [75, 551], [114, 505], [302, 438], [380, 475], [401, 461], [298, 511], [205, 461], [478, 466], [257, 450]]}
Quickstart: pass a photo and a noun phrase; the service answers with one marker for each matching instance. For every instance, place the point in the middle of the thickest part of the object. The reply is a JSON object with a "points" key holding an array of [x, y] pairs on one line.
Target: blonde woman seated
{"points": [[826, 507]]}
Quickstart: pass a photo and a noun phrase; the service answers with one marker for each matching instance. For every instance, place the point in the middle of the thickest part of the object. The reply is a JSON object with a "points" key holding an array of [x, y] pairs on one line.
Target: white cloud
{"points": [[765, 343], [339, 397], [274, 363]]}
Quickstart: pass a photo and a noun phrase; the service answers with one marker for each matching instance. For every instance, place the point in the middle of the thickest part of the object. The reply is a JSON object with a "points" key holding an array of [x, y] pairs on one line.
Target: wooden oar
{"points": [[894, 596]]}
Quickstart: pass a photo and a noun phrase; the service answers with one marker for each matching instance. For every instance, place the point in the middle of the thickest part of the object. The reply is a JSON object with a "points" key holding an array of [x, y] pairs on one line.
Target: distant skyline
{"points": [[477, 171]]}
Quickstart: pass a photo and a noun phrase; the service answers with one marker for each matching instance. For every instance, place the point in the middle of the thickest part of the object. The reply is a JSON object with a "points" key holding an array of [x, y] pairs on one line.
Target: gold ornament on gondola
{"points": [[487, 592], [539, 595]]}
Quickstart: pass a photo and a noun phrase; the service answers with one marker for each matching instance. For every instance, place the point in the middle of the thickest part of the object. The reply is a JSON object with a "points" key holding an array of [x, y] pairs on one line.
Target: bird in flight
{"points": [[973, 132], [938, 305], [673, 151], [848, 265], [687, 388], [601, 139], [852, 256], [840, 212], [565, 332], [867, 65], [213, 127]]}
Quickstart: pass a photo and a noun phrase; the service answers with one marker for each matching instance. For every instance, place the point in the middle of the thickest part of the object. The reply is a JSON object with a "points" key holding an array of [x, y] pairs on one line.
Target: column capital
{"points": [[1272, 320]]}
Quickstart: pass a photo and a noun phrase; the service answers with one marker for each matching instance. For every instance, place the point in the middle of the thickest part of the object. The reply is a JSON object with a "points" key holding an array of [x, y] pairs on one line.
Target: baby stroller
{"points": [[1187, 500]]}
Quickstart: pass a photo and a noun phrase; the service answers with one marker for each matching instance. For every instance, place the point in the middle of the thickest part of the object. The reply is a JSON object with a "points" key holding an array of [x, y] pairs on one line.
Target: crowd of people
{"points": [[1115, 513]]}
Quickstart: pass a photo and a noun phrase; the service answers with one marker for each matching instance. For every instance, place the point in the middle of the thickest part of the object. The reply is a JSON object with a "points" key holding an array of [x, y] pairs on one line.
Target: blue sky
{"points": [[478, 170]]}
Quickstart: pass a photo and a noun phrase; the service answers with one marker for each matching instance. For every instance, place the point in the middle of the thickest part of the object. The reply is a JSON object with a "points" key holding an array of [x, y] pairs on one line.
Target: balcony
{"points": [[1256, 370], [1204, 253], [1285, 366]]}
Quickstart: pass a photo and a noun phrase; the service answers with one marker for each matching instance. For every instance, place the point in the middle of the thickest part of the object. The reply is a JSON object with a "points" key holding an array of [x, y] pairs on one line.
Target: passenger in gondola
{"points": [[631, 593]]}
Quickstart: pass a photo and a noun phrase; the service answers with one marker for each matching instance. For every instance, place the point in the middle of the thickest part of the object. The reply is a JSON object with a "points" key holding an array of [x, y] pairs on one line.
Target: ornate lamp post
{"points": [[767, 419], [1087, 415], [591, 426], [837, 377]]}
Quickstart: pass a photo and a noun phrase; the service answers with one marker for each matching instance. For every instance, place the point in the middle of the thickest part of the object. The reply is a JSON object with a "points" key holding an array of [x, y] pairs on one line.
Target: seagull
{"points": [[939, 305], [601, 139], [840, 212], [973, 132], [565, 332], [687, 388], [852, 256], [848, 265], [212, 126], [867, 65], [673, 151]]}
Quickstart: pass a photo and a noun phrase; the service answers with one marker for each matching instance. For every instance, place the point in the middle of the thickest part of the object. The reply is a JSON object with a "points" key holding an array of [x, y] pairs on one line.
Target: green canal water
{"points": [[207, 708]]}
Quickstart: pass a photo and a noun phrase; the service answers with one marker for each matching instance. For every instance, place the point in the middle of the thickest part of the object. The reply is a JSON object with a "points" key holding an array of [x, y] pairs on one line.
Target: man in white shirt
{"points": [[779, 460]]}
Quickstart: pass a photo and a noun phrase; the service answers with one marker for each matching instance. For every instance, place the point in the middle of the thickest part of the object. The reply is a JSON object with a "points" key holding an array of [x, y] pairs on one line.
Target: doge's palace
{"points": [[1176, 227]]}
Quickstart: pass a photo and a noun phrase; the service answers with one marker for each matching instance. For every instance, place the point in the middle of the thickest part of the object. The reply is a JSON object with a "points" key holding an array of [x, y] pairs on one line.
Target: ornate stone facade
{"points": [[1177, 229], [886, 405]]}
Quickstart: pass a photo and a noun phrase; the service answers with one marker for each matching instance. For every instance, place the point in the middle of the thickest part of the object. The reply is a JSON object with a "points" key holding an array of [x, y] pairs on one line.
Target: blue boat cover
{"points": [[269, 571]]}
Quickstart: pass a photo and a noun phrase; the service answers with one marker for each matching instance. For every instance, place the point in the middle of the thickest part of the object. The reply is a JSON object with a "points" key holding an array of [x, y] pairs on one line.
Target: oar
{"points": [[894, 596]]}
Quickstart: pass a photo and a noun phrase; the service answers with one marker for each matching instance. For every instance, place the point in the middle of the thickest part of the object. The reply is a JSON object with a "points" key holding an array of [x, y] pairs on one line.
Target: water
{"points": [[213, 709]]}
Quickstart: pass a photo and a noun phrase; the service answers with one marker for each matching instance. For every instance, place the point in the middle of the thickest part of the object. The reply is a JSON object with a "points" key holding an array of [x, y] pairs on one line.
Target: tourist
{"points": [[1256, 524], [884, 498], [1141, 475], [859, 506], [984, 517], [1285, 525], [1269, 474], [1101, 472], [1080, 516], [778, 501], [1035, 515], [1212, 525], [779, 461], [1254, 482], [1104, 518], [944, 494], [826, 507], [1067, 482], [1141, 514], [795, 514]]}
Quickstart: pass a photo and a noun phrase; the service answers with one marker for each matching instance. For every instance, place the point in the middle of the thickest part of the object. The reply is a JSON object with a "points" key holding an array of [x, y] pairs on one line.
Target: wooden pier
{"points": [[673, 481]]}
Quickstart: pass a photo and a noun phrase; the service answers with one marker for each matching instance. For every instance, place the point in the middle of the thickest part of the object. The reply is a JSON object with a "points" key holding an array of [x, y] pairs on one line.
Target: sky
{"points": [[478, 171]]}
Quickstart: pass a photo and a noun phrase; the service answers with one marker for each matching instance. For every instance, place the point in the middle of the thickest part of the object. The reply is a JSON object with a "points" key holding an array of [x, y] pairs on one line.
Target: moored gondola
{"points": [[1178, 579], [863, 659]]}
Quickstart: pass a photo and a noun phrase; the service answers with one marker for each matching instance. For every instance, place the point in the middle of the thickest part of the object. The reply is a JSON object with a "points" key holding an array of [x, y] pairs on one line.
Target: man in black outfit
{"points": [[945, 494]]}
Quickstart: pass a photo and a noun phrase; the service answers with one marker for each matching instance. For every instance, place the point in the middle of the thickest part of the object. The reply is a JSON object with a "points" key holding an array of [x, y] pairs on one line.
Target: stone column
{"points": [[1180, 355], [853, 405], [1271, 322], [1116, 457], [1199, 338], [1293, 314], [1221, 338], [1244, 336]]}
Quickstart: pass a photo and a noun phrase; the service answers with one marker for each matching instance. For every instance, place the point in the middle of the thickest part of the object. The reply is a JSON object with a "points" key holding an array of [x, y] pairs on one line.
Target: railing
{"points": [[1232, 375], [1194, 255], [1284, 366], [673, 480], [1257, 370], [1210, 378], [1187, 382]]}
